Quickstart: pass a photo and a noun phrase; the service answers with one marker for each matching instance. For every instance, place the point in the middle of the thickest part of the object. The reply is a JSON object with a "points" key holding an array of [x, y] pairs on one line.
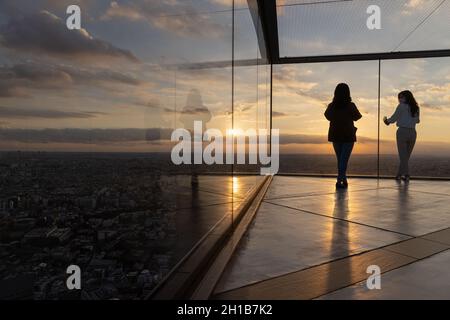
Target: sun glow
{"points": [[233, 132], [236, 185]]}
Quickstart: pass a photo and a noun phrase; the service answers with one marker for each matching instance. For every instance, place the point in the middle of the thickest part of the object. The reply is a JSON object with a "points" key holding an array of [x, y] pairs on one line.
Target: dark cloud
{"points": [[302, 139], [8, 90], [84, 136], [152, 104], [103, 136], [15, 78], [156, 106], [277, 114], [246, 108], [18, 113], [44, 32], [7, 7], [62, 4], [313, 139], [190, 111], [431, 106], [38, 72]]}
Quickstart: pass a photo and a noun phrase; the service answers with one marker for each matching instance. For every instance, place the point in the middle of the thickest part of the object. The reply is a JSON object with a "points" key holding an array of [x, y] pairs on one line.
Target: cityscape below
{"points": [[115, 215]]}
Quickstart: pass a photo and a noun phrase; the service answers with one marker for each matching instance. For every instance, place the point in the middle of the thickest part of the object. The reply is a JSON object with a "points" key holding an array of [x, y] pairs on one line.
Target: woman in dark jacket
{"points": [[341, 113]]}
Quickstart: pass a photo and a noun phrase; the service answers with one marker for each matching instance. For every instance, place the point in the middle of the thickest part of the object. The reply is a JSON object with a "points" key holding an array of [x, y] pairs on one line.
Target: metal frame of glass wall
{"points": [[268, 10]]}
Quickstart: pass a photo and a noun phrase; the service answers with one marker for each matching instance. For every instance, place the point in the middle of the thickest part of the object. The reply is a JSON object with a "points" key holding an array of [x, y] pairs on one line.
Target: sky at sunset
{"points": [[124, 81]]}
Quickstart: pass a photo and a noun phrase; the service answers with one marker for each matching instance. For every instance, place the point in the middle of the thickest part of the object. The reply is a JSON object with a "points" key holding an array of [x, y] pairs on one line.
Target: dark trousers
{"points": [[343, 151]]}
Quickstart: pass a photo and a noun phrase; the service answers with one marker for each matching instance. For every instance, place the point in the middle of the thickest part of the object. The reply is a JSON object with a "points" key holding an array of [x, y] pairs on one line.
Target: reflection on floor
{"points": [[425, 279], [309, 240], [199, 207]]}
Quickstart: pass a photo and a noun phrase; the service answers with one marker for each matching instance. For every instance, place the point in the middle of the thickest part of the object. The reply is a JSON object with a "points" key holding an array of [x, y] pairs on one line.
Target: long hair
{"points": [[411, 101], [342, 97]]}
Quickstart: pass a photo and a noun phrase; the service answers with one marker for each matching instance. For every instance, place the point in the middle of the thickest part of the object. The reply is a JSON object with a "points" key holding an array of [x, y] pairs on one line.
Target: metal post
{"points": [[232, 110], [271, 101], [379, 111]]}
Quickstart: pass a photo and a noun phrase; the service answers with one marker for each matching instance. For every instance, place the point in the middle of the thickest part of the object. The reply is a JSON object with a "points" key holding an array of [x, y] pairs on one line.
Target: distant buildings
{"points": [[57, 211], [47, 236]]}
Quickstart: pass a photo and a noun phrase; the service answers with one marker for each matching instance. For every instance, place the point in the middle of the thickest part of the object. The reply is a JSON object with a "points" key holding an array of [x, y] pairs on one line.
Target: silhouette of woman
{"points": [[194, 110], [407, 115], [342, 113]]}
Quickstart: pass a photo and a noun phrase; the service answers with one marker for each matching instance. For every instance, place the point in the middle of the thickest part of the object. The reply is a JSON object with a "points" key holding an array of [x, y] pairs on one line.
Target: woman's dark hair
{"points": [[413, 105], [342, 96]]}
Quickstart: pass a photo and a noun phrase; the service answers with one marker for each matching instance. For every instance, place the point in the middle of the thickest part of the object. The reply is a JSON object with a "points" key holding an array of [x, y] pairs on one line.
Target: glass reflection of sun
{"points": [[233, 132], [236, 185]]}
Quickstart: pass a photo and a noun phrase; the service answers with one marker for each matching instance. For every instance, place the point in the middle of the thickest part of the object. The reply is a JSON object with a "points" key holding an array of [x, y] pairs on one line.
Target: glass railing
{"points": [[302, 92], [87, 177]]}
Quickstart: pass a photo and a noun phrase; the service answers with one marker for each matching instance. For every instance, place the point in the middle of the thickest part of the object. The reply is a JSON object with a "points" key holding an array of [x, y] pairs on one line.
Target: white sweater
{"points": [[403, 117]]}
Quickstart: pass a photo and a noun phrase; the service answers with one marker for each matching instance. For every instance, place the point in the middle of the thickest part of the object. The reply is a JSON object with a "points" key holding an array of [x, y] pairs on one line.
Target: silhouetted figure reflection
{"points": [[404, 207], [341, 113], [340, 242], [407, 115], [194, 110]]}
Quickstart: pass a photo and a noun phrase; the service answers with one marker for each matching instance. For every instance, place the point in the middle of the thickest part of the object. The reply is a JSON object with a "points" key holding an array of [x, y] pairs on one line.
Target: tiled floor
{"points": [[425, 279], [304, 222]]}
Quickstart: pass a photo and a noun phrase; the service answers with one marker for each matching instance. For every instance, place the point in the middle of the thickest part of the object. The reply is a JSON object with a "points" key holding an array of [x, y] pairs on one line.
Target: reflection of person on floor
{"points": [[407, 115], [340, 241], [341, 113], [194, 110]]}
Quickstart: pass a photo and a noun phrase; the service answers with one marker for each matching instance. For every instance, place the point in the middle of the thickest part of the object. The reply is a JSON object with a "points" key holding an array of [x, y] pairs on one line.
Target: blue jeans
{"points": [[343, 151]]}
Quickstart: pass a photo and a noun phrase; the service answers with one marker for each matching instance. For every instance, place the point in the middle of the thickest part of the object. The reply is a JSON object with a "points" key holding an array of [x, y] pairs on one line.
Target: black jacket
{"points": [[341, 120]]}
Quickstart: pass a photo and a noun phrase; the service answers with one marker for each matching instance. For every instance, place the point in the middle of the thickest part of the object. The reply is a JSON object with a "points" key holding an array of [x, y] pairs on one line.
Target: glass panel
{"points": [[432, 33], [86, 122], [301, 93], [429, 82], [251, 95], [309, 28]]}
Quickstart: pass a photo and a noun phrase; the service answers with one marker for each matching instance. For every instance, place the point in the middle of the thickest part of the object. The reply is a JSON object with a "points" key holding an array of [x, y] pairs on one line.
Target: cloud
{"points": [[7, 90], [63, 4], [229, 3], [15, 7], [44, 32], [287, 83], [191, 111], [313, 139], [98, 136], [14, 79], [130, 12], [412, 6], [277, 114], [172, 16], [84, 136], [8, 7], [19, 113], [431, 106], [431, 96], [151, 104]]}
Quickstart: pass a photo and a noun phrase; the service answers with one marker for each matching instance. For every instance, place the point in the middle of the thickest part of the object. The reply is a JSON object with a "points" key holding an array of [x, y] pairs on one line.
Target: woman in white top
{"points": [[407, 115]]}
